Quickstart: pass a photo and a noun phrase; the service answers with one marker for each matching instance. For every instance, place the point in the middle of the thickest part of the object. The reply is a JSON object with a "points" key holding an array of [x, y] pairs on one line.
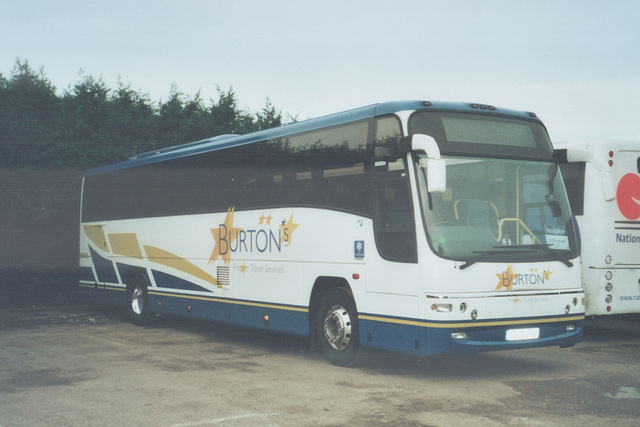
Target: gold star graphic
{"points": [[547, 274], [287, 229], [262, 219], [507, 278], [243, 267], [223, 236]]}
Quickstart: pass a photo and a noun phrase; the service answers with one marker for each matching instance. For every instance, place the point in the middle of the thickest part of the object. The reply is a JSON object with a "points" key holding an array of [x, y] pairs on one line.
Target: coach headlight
{"points": [[442, 308]]}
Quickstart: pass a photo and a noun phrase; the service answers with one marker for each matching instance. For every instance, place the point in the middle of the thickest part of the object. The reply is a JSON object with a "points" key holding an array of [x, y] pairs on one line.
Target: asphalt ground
{"points": [[83, 365]]}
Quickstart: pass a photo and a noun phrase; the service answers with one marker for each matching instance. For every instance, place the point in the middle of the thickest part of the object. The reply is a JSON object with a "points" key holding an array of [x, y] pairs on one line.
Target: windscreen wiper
{"points": [[551, 252], [521, 249], [496, 250]]}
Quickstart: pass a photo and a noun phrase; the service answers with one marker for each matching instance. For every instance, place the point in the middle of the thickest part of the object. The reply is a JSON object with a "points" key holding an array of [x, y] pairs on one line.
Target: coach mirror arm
{"points": [[429, 157], [574, 155]]}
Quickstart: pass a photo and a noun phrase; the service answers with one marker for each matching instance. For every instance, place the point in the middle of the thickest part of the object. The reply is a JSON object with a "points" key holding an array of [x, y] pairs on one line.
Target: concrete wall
{"points": [[39, 215]]}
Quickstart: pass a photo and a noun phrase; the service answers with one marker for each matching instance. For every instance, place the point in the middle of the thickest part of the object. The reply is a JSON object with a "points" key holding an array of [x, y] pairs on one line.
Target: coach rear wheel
{"points": [[138, 301], [338, 327]]}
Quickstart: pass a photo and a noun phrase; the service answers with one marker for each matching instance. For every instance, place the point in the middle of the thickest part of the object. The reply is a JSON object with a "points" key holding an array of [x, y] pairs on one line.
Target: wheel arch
{"points": [[322, 286], [129, 275]]}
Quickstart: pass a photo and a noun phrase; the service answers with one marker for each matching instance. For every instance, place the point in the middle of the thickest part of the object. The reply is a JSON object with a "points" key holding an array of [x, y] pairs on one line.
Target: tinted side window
{"points": [[323, 168], [328, 168], [393, 209]]}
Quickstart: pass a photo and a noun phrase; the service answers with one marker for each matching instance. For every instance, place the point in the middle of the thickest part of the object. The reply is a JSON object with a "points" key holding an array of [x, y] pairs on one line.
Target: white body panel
{"points": [[610, 231], [283, 273]]}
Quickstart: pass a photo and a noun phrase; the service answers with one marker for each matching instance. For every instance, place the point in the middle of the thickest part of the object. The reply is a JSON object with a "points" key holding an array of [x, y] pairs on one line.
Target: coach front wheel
{"points": [[337, 327]]}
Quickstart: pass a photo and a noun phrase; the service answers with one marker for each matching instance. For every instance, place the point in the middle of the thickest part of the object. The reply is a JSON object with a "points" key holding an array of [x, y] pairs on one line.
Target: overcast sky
{"points": [[575, 63]]}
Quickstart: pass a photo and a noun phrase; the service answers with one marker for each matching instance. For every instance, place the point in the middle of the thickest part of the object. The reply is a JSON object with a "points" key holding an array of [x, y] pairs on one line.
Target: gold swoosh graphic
{"points": [[125, 244], [160, 256]]}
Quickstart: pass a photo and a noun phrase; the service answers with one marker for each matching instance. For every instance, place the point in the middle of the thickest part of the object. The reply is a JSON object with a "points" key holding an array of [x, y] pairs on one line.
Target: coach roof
{"points": [[226, 141]]}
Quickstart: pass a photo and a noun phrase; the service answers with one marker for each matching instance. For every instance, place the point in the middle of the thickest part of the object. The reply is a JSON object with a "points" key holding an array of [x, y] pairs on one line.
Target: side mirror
{"points": [[436, 167], [574, 155]]}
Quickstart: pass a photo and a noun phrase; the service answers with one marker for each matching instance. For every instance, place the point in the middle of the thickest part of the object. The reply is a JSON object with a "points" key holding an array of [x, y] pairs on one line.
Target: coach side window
{"points": [[393, 212], [328, 168]]}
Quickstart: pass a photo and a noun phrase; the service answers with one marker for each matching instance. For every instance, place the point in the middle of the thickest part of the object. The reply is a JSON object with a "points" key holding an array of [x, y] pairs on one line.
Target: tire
{"points": [[138, 301], [337, 328]]}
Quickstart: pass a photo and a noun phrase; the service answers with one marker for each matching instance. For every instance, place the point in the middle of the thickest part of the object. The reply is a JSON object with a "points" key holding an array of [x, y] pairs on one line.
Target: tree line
{"points": [[90, 124]]}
